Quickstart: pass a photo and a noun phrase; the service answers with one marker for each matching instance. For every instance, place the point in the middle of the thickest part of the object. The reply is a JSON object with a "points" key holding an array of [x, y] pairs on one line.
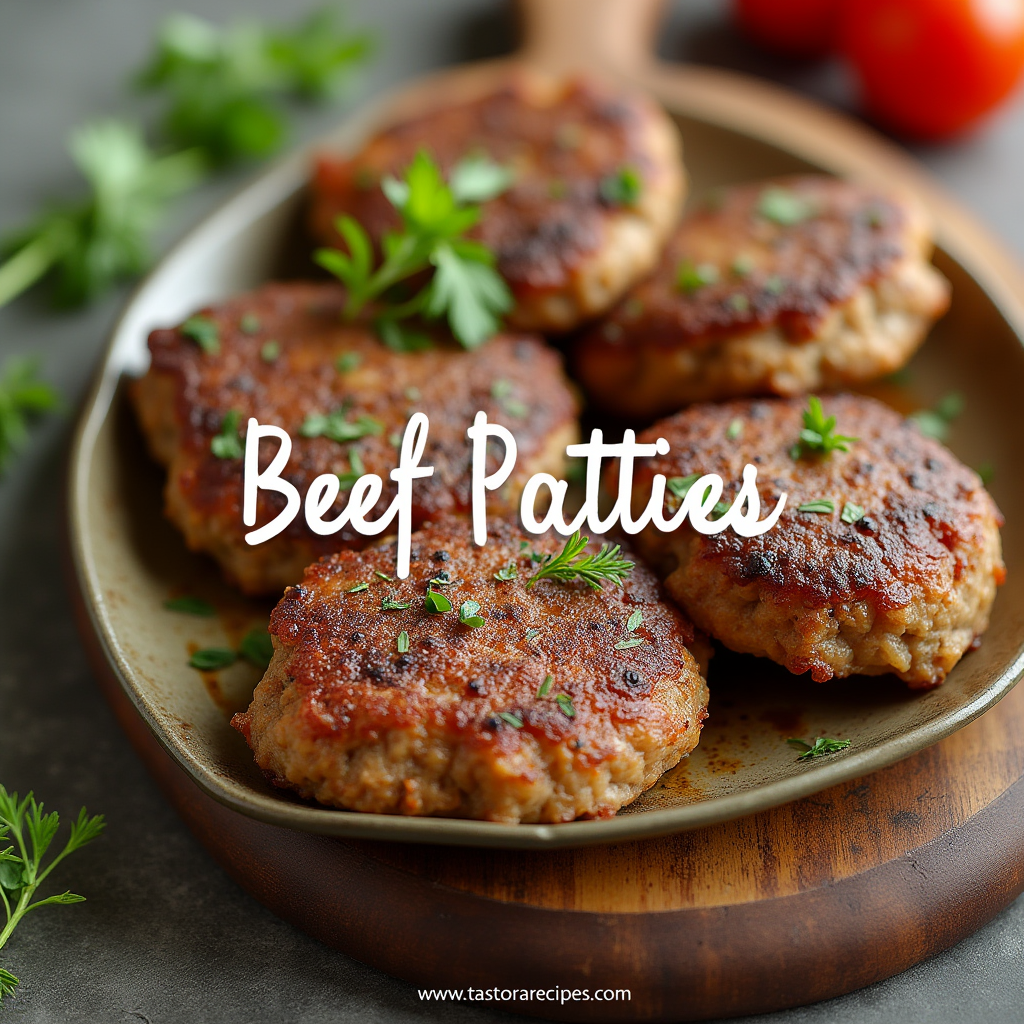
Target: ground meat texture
{"points": [[567, 248], [455, 726], [284, 354], [905, 589], [771, 288]]}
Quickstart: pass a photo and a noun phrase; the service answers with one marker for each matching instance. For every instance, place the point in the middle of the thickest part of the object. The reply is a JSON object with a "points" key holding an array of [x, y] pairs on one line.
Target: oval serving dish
{"points": [[128, 560]]}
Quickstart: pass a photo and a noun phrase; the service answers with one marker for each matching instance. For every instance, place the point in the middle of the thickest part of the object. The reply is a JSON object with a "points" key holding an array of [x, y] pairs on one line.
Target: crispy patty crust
{"points": [[568, 236], [405, 711], [905, 588], [283, 355], [771, 288]]}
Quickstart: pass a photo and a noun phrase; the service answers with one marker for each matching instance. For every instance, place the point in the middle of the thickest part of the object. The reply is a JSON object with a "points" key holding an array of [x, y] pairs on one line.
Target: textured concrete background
{"points": [[165, 936]]}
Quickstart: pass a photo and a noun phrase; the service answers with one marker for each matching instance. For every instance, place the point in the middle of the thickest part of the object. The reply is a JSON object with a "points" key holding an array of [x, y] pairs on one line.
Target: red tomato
{"points": [[929, 68], [801, 28]]}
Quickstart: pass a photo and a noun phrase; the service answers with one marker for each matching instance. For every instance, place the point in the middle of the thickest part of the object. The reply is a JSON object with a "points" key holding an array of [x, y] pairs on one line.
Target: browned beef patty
{"points": [[776, 287], [906, 587], [566, 242], [283, 355], [403, 711]]}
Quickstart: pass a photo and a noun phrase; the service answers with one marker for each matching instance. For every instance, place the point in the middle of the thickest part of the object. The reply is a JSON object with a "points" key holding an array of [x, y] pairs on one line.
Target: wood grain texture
{"points": [[787, 907]]}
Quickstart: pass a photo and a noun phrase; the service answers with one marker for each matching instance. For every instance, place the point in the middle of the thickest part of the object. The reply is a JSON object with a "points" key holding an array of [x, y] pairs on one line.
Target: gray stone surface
{"points": [[165, 936]]}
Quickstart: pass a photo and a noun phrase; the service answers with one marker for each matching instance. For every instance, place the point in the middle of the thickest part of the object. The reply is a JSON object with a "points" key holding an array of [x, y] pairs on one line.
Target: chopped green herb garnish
{"points": [[469, 614], [738, 302], [680, 485], [775, 285], [624, 645], [355, 461], [475, 179], [464, 286], [357, 588], [532, 634], [900, 378], [392, 604], [692, 277], [204, 332], [936, 422], [191, 606], [383, 575], [817, 505], [209, 659], [395, 439], [734, 430], [413, 394], [507, 574], [545, 688], [501, 390], [635, 621], [851, 513], [509, 719], [436, 603], [564, 702], [821, 746], [347, 361], [622, 188], [249, 324], [334, 426], [403, 642], [30, 832], [742, 266], [228, 443], [783, 206], [257, 647], [818, 436], [22, 395], [400, 338], [571, 564], [442, 579], [270, 351]]}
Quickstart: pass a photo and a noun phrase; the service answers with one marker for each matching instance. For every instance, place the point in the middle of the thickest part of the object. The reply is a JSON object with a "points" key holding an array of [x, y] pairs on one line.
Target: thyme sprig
{"points": [[571, 564]]}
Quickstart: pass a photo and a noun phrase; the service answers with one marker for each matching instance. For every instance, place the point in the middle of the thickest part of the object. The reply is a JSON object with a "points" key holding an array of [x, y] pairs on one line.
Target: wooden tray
{"points": [[789, 906]]}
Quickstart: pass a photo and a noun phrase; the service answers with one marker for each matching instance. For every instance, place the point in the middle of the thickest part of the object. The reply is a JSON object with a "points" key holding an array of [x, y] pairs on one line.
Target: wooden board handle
{"points": [[615, 36]]}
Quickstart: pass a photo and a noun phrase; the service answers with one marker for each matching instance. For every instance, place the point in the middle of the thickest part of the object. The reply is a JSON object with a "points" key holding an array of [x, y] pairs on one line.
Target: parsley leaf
{"points": [[625, 645], [851, 513], [784, 206], [817, 505], [818, 436], [680, 485], [358, 588], [191, 606], [464, 287], [691, 278], [564, 702], [477, 179], [355, 461], [436, 603], [545, 688], [571, 564], [228, 443], [223, 86], [270, 351], [936, 422], [31, 833], [821, 746], [90, 245], [257, 647], [392, 604], [402, 643], [347, 361], [469, 614], [623, 188], [507, 574], [204, 332], [509, 719], [209, 659], [634, 621], [333, 425], [734, 430], [22, 396]]}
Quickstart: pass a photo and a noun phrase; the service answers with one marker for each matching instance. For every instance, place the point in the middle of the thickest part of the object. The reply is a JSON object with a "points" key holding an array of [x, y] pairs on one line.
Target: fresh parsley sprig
{"points": [[25, 836], [22, 396], [821, 746], [464, 286], [571, 564], [818, 436], [90, 245], [224, 86]]}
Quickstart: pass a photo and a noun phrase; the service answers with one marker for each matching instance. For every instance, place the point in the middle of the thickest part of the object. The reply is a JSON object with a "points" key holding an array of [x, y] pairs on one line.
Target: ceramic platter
{"points": [[128, 560]]}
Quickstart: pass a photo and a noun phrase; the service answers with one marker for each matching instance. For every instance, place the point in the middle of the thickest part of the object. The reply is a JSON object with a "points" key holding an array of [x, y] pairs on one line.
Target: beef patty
{"points": [[540, 712], [772, 288], [283, 355], [886, 558], [598, 185]]}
